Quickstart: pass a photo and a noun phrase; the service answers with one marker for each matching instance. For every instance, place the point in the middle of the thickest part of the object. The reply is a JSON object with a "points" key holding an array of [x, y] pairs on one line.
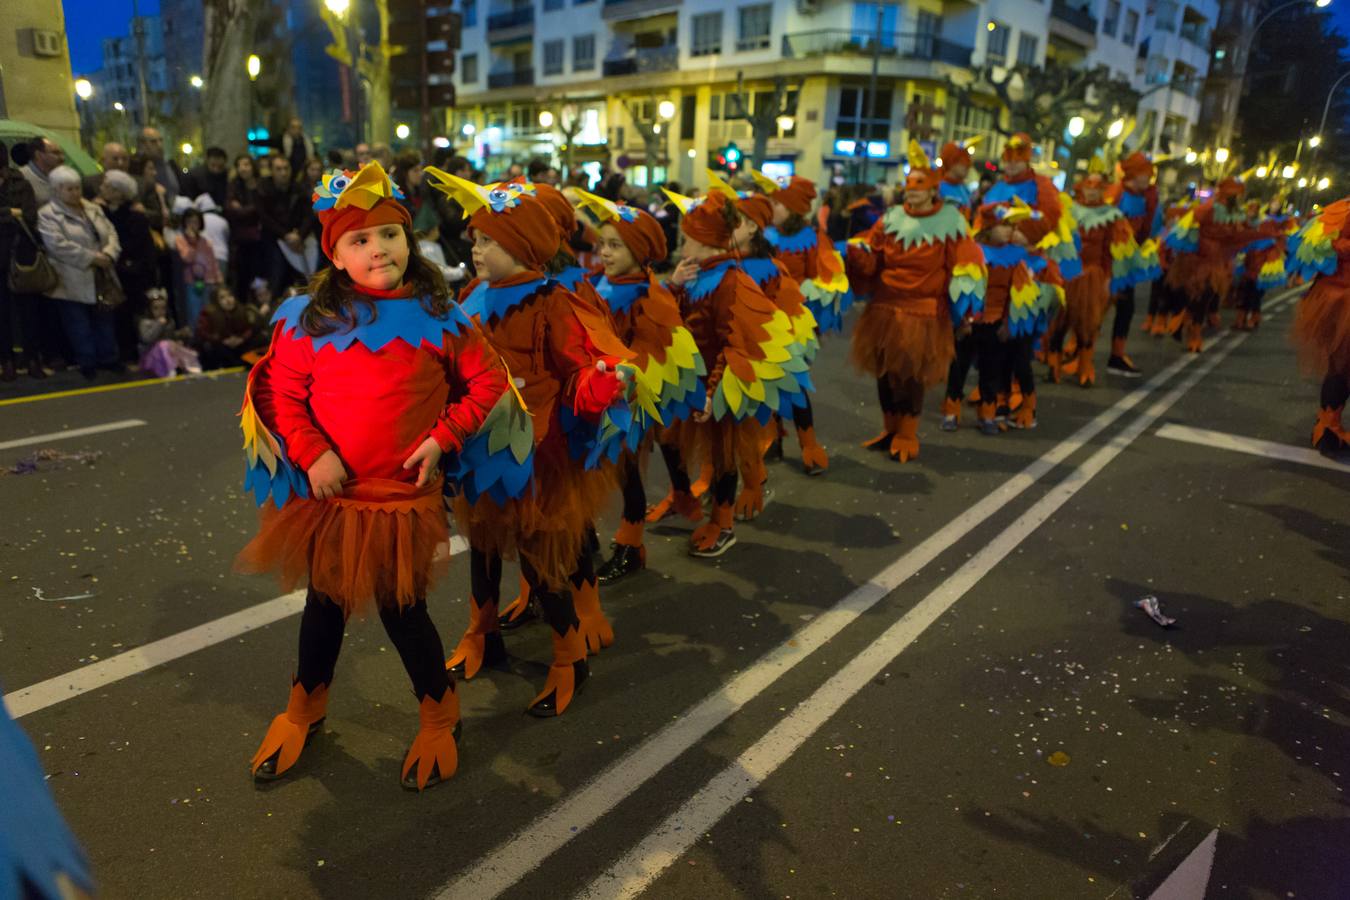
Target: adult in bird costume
{"points": [[667, 367], [1320, 252], [1051, 234], [537, 506], [929, 279], [346, 420], [747, 344]]}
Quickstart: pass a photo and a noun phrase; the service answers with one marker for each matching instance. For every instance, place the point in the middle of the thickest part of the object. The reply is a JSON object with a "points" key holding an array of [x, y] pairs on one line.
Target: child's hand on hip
{"points": [[326, 476], [426, 458]]}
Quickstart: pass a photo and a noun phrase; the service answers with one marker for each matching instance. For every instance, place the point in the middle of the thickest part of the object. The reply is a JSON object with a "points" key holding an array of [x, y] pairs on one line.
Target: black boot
{"points": [[626, 560]]}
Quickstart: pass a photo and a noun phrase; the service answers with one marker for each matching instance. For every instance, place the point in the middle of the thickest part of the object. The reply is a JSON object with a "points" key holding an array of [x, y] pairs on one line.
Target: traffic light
{"points": [[259, 142], [732, 154]]}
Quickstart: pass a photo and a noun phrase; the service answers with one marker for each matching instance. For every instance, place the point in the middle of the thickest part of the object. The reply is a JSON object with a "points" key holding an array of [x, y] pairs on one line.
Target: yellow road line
{"points": [[102, 388]]}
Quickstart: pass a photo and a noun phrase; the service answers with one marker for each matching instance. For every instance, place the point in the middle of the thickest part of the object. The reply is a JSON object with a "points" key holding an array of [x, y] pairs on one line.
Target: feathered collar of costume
{"points": [[1004, 191], [1090, 217], [707, 280], [487, 301], [570, 277], [760, 268], [801, 242], [624, 291], [1132, 204], [1225, 215], [394, 318], [1005, 256], [955, 192], [910, 230]]}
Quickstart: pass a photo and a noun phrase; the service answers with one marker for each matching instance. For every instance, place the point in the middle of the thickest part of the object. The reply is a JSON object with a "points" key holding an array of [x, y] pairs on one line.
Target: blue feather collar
{"points": [[762, 270], [394, 319], [707, 280], [487, 302], [621, 296], [800, 242]]}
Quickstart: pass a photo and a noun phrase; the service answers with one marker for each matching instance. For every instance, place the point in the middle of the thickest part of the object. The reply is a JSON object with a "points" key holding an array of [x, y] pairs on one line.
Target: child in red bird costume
{"points": [[563, 358], [369, 381], [1320, 252], [752, 360]]}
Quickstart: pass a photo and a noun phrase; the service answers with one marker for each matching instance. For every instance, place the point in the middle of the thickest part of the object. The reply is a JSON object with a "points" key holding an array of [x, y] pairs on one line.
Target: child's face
{"points": [[614, 253], [744, 232], [999, 234], [697, 251], [1092, 196], [226, 301], [262, 295], [1014, 167], [375, 257], [780, 213], [491, 260], [159, 308]]}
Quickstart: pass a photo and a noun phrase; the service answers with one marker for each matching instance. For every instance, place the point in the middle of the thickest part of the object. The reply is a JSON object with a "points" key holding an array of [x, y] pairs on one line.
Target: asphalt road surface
{"points": [[925, 681]]}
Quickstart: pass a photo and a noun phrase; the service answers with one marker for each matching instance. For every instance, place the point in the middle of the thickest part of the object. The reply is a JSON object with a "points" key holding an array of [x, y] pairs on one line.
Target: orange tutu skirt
{"points": [[375, 544], [547, 526], [725, 444], [1322, 329], [1085, 300], [907, 347]]}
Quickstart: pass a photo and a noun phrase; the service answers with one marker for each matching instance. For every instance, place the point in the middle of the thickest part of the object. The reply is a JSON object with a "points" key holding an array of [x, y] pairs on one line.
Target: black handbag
{"points": [[108, 288], [37, 277]]}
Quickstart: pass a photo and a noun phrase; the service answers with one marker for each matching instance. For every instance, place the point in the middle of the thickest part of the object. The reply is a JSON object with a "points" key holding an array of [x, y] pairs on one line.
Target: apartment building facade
{"points": [[532, 73]]}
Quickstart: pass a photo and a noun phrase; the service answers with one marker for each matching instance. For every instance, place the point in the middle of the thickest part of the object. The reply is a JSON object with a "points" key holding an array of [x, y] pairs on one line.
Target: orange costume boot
{"points": [[565, 676], [290, 732], [482, 642], [1087, 370], [951, 413], [905, 443], [433, 756], [1240, 321], [891, 424], [750, 501], [716, 536], [700, 485], [814, 459], [594, 626], [1054, 360], [1147, 327], [1328, 435], [519, 611], [1195, 336], [1025, 417], [681, 503]]}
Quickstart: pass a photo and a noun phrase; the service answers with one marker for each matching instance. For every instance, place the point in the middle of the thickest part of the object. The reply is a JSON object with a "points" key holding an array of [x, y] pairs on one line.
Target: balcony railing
{"points": [[511, 18], [1075, 16], [629, 9], [842, 41], [646, 59], [515, 78]]}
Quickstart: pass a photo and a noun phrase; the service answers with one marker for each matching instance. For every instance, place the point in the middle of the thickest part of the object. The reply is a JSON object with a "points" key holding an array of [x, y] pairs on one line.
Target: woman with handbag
{"points": [[82, 245], [22, 278]]}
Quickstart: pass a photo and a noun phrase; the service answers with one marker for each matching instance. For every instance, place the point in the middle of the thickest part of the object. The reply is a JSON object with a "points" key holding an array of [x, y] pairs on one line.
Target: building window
{"points": [[1112, 18], [522, 119], [553, 5], [707, 34], [688, 116], [1026, 49], [468, 68], [755, 22], [469, 13], [553, 57], [996, 50], [1131, 27], [855, 123], [583, 53], [865, 23], [927, 28]]}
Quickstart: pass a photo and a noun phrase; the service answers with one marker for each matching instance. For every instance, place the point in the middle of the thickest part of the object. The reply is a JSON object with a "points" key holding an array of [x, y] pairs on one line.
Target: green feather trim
{"points": [[1090, 217], [912, 231]]}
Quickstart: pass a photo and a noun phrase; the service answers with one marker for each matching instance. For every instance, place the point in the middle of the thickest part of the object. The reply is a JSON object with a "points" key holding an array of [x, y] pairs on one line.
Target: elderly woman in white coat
{"points": [[79, 239]]}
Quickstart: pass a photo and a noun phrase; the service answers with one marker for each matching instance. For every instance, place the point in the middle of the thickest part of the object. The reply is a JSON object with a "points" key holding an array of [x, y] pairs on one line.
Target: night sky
{"points": [[89, 21]]}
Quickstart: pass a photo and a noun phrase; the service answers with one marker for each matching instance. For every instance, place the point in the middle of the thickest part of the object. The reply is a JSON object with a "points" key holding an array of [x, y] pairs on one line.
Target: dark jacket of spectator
{"points": [[201, 180], [284, 209]]}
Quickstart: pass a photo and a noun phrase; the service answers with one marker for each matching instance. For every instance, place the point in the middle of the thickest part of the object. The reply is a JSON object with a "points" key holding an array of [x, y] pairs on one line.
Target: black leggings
{"points": [[1248, 296], [900, 397], [414, 635], [485, 577], [802, 416], [1017, 354], [1124, 313], [679, 478], [634, 494], [983, 344], [1335, 391]]}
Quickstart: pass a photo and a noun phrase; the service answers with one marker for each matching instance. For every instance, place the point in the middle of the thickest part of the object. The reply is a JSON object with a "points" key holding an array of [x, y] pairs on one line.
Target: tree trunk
{"points": [[760, 148], [381, 114], [227, 91]]}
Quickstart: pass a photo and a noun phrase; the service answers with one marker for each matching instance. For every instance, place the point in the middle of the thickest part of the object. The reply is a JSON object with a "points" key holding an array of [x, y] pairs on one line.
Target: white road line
{"points": [[1255, 446], [523, 852], [72, 433], [1190, 880], [637, 869], [106, 671]]}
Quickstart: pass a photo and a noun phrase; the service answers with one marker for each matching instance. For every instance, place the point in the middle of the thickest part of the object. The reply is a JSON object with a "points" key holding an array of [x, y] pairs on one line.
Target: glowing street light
{"points": [[401, 131], [1303, 182], [254, 67], [468, 130], [196, 81], [119, 106], [1323, 184], [186, 148], [665, 109], [656, 129], [1116, 128], [786, 123], [692, 154], [1191, 157], [1315, 141], [441, 142], [1076, 126], [84, 88], [1221, 155], [1323, 4], [1262, 171], [338, 7], [545, 119], [1288, 172]]}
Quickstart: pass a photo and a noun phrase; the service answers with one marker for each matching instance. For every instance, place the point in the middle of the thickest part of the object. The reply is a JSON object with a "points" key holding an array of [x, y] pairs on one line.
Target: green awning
{"points": [[12, 130]]}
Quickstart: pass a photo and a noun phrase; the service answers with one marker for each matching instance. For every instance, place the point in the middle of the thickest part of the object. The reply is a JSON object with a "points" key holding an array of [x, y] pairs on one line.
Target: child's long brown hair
{"points": [[792, 224], [333, 296]]}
